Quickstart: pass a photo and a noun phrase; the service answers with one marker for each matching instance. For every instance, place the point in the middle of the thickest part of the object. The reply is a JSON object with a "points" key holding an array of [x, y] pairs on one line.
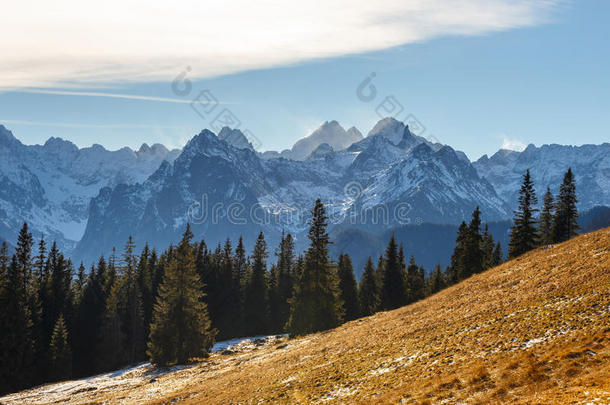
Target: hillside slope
{"points": [[533, 330]]}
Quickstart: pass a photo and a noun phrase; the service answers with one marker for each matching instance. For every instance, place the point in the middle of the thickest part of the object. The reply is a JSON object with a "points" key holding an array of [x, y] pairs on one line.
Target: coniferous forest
{"points": [[62, 321]]}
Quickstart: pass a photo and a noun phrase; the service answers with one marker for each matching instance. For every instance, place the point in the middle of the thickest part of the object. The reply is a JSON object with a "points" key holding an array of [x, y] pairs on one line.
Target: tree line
{"points": [[171, 307]]}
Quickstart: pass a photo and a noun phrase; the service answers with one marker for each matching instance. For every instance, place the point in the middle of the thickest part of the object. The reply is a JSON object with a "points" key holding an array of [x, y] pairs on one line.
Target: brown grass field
{"points": [[533, 330]]}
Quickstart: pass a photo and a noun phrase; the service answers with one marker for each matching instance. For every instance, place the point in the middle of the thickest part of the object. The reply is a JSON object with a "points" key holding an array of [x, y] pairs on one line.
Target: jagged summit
{"points": [[235, 137], [389, 128], [331, 133]]}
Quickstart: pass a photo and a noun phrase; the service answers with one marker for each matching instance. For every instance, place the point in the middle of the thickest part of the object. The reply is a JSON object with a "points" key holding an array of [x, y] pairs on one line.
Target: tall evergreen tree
{"points": [[181, 327], [60, 352], [498, 256], [524, 235], [256, 305], [316, 304], [285, 280], [565, 222], [487, 248], [393, 292], [122, 338], [415, 282], [87, 323], [473, 255], [230, 315], [436, 282], [144, 275], [16, 325], [133, 317], [545, 228], [347, 287], [368, 291], [457, 269]]}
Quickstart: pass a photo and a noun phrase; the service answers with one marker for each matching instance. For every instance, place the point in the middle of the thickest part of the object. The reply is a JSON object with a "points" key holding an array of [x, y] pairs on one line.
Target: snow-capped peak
{"points": [[389, 128]]}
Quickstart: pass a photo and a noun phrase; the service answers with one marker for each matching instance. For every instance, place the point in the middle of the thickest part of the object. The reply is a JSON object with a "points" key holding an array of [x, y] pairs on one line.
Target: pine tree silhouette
{"points": [[524, 235], [181, 327]]}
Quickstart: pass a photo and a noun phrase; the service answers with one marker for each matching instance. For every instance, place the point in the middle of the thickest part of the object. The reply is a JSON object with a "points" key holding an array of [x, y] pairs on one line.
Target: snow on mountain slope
{"points": [[225, 191], [431, 186], [50, 185], [547, 164]]}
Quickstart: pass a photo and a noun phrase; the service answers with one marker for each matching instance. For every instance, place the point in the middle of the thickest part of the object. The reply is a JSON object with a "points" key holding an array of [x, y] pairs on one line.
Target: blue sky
{"points": [[544, 82]]}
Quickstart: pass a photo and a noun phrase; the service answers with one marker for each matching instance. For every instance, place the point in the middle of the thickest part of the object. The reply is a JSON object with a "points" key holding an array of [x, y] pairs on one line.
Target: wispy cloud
{"points": [[69, 42], [108, 95], [84, 125], [512, 144]]}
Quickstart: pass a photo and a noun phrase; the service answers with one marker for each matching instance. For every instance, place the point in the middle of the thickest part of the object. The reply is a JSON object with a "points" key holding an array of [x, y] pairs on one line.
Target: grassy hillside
{"points": [[534, 330]]}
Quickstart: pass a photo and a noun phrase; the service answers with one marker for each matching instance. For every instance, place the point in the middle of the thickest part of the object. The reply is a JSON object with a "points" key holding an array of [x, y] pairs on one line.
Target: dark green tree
{"points": [[368, 291], [87, 323], [122, 337], [565, 222], [393, 290], [60, 352], [347, 287], [316, 305], [457, 269], [256, 311], [181, 327], [285, 280], [545, 228], [16, 354], [473, 254], [436, 282], [487, 248], [498, 257], [415, 280], [524, 235]]}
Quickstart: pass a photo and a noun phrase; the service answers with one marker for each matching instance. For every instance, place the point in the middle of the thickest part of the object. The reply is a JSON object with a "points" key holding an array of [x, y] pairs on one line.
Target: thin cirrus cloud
{"points": [[74, 43]]}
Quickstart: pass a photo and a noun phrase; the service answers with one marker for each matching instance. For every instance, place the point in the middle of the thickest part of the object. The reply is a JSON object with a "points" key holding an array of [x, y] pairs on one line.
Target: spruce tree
{"points": [[122, 337], [457, 268], [436, 282], [498, 256], [133, 317], [347, 287], [285, 280], [112, 346], [273, 300], [415, 282], [524, 235], [487, 248], [16, 325], [473, 255], [316, 305], [393, 290], [256, 316], [228, 316], [60, 352], [32, 286], [87, 323], [144, 277], [368, 291], [181, 327], [545, 228], [565, 222]]}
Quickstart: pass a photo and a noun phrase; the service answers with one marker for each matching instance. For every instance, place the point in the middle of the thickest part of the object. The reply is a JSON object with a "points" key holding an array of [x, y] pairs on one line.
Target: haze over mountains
{"points": [[92, 199]]}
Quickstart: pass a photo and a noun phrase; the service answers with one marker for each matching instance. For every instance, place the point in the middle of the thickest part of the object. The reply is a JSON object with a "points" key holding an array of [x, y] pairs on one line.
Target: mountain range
{"points": [[92, 199]]}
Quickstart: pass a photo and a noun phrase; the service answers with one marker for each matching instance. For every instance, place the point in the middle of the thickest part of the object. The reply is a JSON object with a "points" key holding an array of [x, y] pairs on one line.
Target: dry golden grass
{"points": [[533, 330]]}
